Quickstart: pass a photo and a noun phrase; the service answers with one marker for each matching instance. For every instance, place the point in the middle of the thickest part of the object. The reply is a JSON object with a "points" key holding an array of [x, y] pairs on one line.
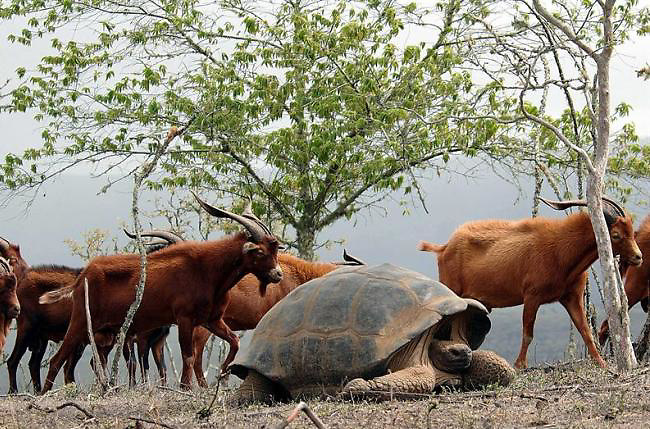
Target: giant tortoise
{"points": [[367, 330]]}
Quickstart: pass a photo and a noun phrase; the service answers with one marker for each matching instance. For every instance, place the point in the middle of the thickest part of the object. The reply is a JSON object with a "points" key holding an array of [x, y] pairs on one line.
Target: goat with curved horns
{"points": [[637, 278], [187, 285], [245, 309], [532, 262]]}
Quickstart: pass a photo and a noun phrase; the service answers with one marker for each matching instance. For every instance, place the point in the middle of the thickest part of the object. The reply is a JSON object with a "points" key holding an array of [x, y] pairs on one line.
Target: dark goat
{"points": [[532, 262], [187, 285], [39, 323], [13, 269]]}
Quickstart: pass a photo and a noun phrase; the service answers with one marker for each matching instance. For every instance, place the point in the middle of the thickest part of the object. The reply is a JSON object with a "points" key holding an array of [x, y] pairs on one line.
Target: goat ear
{"points": [[249, 247]]}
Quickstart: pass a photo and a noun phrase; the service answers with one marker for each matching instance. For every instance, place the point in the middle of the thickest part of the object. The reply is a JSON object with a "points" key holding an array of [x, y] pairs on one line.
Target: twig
{"points": [[152, 422], [19, 395], [205, 412], [60, 407], [190, 394], [171, 361], [98, 368], [527, 396], [302, 406]]}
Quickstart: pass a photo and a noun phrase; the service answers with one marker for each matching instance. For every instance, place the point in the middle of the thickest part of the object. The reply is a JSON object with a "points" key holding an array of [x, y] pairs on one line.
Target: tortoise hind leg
{"points": [[416, 379], [487, 368], [255, 388]]}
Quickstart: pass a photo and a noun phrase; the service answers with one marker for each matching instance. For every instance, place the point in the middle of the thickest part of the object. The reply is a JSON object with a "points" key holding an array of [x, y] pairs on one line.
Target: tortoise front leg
{"points": [[415, 379], [255, 388], [487, 368]]}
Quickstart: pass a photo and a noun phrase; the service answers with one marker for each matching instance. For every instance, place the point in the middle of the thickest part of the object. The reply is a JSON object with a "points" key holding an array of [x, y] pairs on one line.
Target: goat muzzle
{"points": [[13, 311], [275, 275], [636, 260]]}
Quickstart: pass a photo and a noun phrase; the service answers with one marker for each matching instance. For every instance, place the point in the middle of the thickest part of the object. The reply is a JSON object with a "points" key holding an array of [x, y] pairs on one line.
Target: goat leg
{"points": [[575, 307], [221, 330], [530, 313], [185, 328]]}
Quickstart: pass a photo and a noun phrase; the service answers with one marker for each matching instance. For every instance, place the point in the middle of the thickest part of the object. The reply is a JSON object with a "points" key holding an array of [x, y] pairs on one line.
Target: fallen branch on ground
{"points": [[60, 407], [151, 422], [302, 406]]}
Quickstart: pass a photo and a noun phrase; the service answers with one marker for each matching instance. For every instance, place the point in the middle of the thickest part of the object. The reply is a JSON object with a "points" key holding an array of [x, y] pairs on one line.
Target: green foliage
{"points": [[315, 110], [531, 61]]}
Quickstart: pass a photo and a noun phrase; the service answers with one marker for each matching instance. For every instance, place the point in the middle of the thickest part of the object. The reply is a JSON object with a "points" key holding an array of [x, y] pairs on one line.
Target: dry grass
{"points": [[568, 395]]}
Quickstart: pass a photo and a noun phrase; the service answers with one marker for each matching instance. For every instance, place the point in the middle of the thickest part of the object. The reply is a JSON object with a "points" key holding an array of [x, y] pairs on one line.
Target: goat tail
{"points": [[56, 295], [426, 246]]}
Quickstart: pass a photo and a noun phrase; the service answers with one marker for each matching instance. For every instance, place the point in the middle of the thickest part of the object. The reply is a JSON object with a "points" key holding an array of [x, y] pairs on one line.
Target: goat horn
{"points": [[256, 231], [563, 205], [5, 266], [168, 236], [248, 214], [4, 244], [616, 206], [349, 258]]}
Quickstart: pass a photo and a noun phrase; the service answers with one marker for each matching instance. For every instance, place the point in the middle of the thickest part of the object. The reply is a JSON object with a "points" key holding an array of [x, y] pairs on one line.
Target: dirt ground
{"points": [[567, 395]]}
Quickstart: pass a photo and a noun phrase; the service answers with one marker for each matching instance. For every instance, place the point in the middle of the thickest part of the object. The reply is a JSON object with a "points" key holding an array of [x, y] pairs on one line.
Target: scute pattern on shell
{"points": [[345, 325]]}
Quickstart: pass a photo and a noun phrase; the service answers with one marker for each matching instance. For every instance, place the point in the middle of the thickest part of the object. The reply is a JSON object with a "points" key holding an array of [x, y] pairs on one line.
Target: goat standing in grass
{"points": [[532, 262], [244, 311], [187, 285]]}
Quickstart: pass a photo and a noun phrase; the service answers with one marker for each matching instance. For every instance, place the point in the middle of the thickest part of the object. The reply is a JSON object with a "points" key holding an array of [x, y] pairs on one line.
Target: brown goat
{"points": [[13, 269], [637, 278], [187, 284], [247, 307], [39, 323], [532, 262]]}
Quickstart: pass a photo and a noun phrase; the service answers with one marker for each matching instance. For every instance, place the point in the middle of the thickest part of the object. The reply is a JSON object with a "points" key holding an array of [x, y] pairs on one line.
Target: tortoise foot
{"points": [[356, 386], [405, 383], [487, 368], [255, 388]]}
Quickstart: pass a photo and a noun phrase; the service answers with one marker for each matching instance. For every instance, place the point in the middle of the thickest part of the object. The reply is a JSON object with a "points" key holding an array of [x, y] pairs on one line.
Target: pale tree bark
{"points": [[643, 342], [616, 310], [143, 172], [98, 367]]}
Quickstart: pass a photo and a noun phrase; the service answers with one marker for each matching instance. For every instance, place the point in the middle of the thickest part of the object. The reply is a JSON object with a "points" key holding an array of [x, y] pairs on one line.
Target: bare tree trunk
{"points": [[619, 321], [140, 175], [616, 311], [98, 368], [643, 342]]}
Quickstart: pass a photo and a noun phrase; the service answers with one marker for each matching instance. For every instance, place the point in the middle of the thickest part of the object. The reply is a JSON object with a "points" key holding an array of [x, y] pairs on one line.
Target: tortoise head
{"points": [[450, 356], [457, 335]]}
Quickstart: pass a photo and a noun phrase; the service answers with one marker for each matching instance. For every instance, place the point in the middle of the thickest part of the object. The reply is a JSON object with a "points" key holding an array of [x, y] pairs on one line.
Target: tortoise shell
{"points": [[348, 323]]}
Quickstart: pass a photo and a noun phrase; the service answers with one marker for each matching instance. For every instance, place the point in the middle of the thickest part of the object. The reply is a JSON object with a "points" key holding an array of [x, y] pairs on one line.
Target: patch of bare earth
{"points": [[567, 395]]}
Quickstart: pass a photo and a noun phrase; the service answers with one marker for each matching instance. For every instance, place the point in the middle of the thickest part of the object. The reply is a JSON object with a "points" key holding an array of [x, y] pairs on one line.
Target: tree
{"points": [[309, 107], [578, 40]]}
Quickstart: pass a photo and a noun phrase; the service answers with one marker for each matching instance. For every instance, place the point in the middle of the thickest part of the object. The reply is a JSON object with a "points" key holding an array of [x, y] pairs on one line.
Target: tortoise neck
{"points": [[413, 353]]}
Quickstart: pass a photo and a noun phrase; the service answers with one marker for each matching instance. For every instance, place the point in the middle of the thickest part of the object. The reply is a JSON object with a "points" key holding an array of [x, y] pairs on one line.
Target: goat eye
{"points": [[616, 237]]}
